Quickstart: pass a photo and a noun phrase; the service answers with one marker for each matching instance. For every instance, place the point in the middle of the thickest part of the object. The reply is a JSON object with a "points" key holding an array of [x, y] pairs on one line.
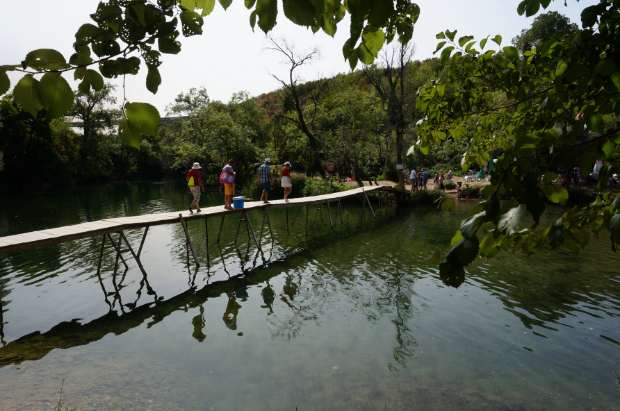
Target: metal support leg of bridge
{"points": [[146, 230], [295, 219], [118, 253], [188, 239], [221, 226], [306, 218], [318, 209], [207, 236], [329, 211], [339, 211], [369, 205], [265, 219]]}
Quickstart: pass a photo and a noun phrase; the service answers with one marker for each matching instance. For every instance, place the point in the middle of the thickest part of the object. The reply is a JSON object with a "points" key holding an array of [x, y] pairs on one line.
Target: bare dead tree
{"points": [[305, 104], [389, 80]]}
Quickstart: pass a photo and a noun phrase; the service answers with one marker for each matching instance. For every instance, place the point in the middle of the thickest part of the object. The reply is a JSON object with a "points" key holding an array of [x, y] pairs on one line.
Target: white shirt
{"points": [[413, 174]]}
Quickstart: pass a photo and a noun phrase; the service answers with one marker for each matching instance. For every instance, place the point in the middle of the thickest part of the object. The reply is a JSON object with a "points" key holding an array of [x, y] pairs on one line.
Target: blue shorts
{"points": [[266, 186], [424, 181]]}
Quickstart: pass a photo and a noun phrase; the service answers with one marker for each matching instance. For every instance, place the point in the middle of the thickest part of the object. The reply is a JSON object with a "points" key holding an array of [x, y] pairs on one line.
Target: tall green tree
{"points": [[545, 26]]}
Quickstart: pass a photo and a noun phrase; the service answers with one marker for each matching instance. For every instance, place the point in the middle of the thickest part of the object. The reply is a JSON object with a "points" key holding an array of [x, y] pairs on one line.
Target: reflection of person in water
{"points": [[199, 323], [290, 288], [232, 310], [268, 297]]}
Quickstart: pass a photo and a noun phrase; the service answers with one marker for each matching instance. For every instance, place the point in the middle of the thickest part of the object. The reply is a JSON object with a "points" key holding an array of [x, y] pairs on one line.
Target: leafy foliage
{"points": [[560, 101]]}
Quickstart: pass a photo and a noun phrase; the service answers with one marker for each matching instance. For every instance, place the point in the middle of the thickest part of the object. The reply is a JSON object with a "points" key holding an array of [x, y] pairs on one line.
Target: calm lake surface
{"points": [[350, 319]]}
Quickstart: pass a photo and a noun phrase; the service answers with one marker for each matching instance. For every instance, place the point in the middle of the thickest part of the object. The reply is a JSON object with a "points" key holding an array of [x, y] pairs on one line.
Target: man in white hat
{"points": [[193, 183], [264, 179]]}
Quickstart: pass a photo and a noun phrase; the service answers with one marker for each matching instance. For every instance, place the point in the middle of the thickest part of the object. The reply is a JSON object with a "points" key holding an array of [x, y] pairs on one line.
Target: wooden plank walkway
{"points": [[36, 239]]}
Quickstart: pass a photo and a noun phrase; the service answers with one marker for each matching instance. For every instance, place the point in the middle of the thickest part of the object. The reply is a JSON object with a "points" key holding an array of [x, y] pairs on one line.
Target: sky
{"points": [[229, 57]]}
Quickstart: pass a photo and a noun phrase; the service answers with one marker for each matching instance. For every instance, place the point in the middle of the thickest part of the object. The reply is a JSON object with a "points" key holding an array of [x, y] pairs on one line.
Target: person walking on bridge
{"points": [[286, 180], [195, 186], [265, 179]]}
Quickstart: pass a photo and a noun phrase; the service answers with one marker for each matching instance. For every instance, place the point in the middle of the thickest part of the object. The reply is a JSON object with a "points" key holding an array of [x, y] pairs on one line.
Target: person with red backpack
{"points": [[195, 185], [228, 179]]}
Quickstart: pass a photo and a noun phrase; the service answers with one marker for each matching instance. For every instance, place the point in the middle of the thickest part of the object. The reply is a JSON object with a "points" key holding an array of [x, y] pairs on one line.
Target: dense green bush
{"points": [[449, 185], [316, 187], [475, 191]]}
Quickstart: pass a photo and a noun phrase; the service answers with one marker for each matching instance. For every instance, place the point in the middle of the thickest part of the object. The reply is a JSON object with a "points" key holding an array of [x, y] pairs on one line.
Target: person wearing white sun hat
{"points": [[194, 184]]}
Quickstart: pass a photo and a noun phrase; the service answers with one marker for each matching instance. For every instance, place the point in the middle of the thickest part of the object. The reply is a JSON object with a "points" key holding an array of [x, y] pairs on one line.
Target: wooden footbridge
{"points": [[109, 226]]}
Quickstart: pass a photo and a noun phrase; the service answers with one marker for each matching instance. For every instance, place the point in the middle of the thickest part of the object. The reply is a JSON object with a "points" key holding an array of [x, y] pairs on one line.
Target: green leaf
{"points": [[267, 12], [488, 247], [605, 68], [511, 52], [153, 79], [439, 46], [497, 39], [380, 12], [191, 23], [545, 3], [595, 122], [451, 34], [56, 95], [555, 194], [45, 59], [225, 3], [86, 31], [129, 133], [206, 6], [616, 202], [549, 177], [448, 204], [440, 36], [521, 7], [5, 83], [509, 222], [249, 4], [27, 95], [532, 7], [445, 55], [168, 45], [120, 66], [79, 59], [188, 4], [483, 43], [91, 79], [464, 40], [328, 25], [434, 259], [373, 39], [609, 148], [144, 116], [464, 251], [468, 224], [253, 19], [589, 15], [300, 12], [457, 237]]}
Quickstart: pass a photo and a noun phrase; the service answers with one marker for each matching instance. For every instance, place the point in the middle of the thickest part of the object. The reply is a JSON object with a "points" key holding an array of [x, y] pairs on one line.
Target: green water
{"points": [[349, 319]]}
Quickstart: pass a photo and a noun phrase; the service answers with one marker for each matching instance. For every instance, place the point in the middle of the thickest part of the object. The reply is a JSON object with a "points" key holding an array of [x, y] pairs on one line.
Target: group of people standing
{"points": [[420, 180], [228, 177]]}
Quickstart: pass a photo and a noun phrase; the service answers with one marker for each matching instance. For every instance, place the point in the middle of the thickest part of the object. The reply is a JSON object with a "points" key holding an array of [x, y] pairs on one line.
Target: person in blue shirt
{"points": [[265, 179], [424, 177]]}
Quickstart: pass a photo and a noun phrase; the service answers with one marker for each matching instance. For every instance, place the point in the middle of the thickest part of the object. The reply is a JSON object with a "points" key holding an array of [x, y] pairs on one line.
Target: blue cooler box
{"points": [[238, 202]]}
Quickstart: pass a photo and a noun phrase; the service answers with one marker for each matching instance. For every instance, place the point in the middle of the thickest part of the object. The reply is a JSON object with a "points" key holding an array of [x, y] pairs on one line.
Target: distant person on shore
{"points": [[287, 185], [449, 175], [425, 176], [229, 183], [195, 186], [413, 176], [466, 192], [265, 179], [330, 171], [436, 181], [352, 172], [459, 186], [441, 180]]}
